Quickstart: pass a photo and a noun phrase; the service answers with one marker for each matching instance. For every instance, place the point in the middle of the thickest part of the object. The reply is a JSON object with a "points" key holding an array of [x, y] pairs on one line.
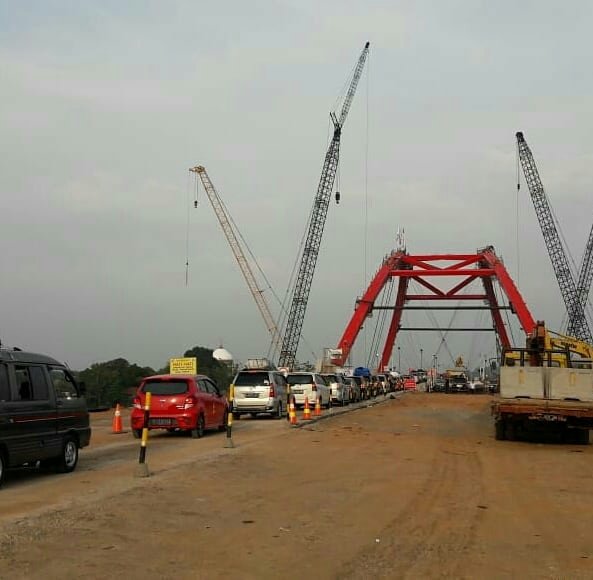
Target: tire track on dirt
{"points": [[431, 535]]}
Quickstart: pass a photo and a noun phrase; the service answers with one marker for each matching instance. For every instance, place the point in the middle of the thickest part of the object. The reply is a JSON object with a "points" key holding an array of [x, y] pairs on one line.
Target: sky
{"points": [[104, 106]]}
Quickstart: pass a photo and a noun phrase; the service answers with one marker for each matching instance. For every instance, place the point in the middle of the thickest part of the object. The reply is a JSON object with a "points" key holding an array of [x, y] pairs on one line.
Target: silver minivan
{"points": [[259, 391]]}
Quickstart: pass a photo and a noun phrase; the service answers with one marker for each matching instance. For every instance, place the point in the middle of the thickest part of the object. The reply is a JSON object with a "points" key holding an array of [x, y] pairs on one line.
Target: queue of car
{"points": [[44, 418]]}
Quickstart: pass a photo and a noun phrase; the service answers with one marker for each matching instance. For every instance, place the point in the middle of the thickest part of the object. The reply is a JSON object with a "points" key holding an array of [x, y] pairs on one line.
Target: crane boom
{"points": [[302, 288], [568, 289], [229, 232], [585, 279]]}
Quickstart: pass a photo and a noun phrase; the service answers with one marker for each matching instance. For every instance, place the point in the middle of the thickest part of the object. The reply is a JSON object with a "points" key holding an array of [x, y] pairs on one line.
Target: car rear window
{"points": [[246, 379], [165, 387], [299, 379], [330, 378]]}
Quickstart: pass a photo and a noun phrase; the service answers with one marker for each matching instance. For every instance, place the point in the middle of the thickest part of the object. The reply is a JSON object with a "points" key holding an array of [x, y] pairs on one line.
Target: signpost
{"points": [[183, 366]]}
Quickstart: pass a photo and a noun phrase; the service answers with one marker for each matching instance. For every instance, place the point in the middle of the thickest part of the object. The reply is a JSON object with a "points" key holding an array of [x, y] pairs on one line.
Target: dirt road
{"points": [[411, 488]]}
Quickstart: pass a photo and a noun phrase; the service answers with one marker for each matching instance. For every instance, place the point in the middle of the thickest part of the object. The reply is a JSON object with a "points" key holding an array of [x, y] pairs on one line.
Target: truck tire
{"points": [[500, 430], [2, 466], [510, 431], [578, 436]]}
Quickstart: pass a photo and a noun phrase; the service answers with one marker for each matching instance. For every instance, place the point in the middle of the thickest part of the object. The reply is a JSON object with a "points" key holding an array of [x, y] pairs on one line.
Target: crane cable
{"points": [[366, 186], [272, 349], [517, 213], [187, 188], [381, 319], [249, 251]]}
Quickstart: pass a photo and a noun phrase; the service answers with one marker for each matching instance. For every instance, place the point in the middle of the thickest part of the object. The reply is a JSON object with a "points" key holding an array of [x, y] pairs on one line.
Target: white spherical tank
{"points": [[222, 354]]}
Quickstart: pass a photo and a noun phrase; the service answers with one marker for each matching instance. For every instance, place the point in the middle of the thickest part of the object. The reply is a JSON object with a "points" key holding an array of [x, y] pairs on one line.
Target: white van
{"points": [[311, 386]]}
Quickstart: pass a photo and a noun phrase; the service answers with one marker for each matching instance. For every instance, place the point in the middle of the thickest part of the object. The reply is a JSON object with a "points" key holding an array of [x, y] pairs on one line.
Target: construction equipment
{"points": [[564, 350], [578, 324], [544, 385], [585, 278], [302, 288], [229, 232]]}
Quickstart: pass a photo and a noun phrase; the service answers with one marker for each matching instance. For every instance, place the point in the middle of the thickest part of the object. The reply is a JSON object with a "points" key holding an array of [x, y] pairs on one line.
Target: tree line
{"points": [[117, 380]]}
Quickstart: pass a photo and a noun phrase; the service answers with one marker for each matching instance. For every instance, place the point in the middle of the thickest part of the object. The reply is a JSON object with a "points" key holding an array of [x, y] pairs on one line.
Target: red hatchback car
{"points": [[180, 402]]}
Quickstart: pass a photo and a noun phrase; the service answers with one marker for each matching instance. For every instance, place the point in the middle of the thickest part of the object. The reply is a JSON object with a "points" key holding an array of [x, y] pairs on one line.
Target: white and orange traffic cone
{"points": [[117, 426], [306, 410], [292, 412], [318, 407]]}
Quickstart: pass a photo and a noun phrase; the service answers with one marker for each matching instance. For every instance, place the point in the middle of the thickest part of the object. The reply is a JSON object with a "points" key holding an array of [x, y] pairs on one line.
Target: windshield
{"points": [[157, 387], [247, 379], [299, 379]]}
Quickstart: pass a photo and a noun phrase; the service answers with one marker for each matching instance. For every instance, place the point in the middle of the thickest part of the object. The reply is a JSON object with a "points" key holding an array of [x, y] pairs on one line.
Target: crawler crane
{"points": [[229, 232], [302, 288], [574, 296]]}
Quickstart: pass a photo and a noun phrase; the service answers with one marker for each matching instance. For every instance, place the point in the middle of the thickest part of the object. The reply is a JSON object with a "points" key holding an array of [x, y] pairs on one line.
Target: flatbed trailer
{"points": [[571, 419]]}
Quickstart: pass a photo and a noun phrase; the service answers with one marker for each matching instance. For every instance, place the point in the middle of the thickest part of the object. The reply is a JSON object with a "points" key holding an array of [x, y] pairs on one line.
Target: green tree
{"points": [[111, 381]]}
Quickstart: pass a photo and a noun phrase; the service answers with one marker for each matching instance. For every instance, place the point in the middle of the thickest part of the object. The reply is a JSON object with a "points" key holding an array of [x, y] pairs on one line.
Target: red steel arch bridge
{"points": [[430, 271]]}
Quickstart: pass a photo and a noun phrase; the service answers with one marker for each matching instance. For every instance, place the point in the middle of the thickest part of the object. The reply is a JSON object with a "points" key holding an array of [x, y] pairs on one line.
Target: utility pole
{"points": [[399, 360]]}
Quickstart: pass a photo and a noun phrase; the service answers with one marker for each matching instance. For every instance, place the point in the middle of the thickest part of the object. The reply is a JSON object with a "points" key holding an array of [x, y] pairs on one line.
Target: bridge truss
{"points": [[428, 270]]}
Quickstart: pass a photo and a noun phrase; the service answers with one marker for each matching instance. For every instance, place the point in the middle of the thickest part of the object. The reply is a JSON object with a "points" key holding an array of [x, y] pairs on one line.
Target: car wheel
{"points": [[68, 460], [225, 420], [2, 467], [198, 432], [137, 433]]}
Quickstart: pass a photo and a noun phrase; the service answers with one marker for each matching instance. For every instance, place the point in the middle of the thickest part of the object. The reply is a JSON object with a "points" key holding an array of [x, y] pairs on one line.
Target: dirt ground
{"points": [[410, 488]]}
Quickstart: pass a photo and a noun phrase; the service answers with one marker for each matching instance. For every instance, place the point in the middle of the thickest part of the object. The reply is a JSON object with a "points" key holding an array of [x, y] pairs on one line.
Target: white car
{"points": [[259, 391], [311, 386], [340, 390]]}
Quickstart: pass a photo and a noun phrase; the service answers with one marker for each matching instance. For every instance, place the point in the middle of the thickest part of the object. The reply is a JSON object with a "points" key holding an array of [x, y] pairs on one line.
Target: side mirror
{"points": [[82, 387]]}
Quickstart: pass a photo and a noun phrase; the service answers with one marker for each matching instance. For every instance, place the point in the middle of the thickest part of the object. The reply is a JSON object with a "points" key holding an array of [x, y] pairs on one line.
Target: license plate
{"points": [[297, 391], [252, 395], [161, 422]]}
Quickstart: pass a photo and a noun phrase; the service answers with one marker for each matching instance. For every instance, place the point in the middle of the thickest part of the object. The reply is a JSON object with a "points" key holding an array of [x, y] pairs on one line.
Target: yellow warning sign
{"points": [[183, 366]]}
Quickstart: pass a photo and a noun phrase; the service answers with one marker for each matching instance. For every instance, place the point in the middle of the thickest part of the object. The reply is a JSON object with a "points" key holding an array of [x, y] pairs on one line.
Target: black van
{"points": [[43, 413]]}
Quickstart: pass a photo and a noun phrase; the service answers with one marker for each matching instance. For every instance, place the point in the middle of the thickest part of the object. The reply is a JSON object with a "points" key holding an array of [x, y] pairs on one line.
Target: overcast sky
{"points": [[105, 105]]}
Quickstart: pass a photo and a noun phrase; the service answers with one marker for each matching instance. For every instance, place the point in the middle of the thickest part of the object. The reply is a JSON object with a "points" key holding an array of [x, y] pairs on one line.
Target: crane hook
{"points": [[337, 198]]}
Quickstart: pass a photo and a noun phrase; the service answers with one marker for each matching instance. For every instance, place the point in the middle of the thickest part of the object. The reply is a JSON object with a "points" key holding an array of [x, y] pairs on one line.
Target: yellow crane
{"points": [[561, 350], [226, 224]]}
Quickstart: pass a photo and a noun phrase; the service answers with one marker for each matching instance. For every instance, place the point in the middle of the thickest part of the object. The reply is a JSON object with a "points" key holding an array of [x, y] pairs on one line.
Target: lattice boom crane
{"points": [[585, 279], [576, 313], [229, 232], [300, 296]]}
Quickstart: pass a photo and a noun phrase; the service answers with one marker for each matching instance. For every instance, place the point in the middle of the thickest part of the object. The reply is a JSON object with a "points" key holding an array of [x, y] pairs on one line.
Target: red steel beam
{"points": [[476, 273], [515, 299], [364, 307], [400, 300], [446, 297]]}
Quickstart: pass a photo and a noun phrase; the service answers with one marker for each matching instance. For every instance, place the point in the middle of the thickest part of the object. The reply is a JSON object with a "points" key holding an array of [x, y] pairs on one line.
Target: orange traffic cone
{"points": [[117, 426], [292, 412], [306, 410], [318, 407]]}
